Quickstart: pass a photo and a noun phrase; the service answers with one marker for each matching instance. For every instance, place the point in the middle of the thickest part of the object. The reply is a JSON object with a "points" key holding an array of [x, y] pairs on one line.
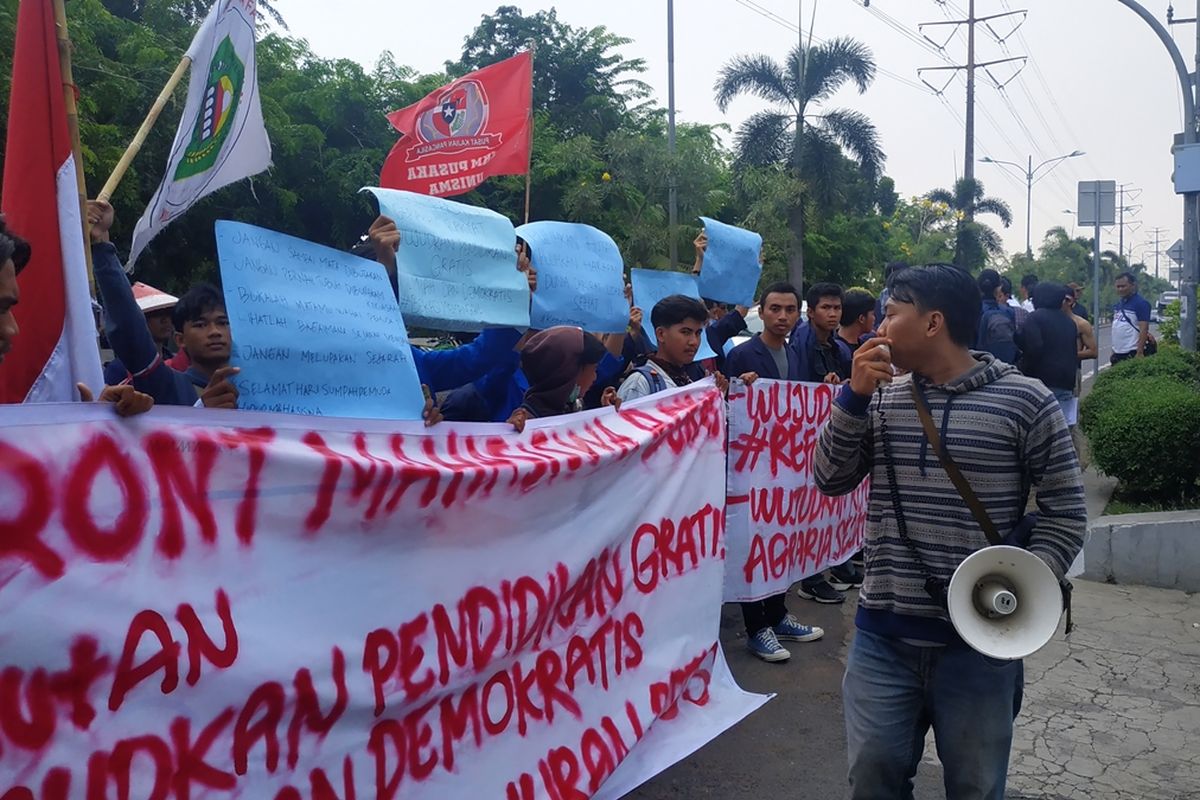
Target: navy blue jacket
{"points": [[804, 344], [442, 370], [720, 332], [130, 339], [754, 356]]}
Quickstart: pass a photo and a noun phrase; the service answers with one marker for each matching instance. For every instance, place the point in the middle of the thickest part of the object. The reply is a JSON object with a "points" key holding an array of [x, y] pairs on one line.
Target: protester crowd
{"points": [[177, 351], [1018, 358]]}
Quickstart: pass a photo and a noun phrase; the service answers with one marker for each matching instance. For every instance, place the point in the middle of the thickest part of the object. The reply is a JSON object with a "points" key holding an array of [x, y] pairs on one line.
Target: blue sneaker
{"points": [[766, 646], [790, 630]]}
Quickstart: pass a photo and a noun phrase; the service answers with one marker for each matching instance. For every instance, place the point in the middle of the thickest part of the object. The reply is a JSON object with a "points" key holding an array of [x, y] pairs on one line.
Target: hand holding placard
{"points": [[456, 265], [580, 277], [652, 285], [731, 263], [315, 331]]}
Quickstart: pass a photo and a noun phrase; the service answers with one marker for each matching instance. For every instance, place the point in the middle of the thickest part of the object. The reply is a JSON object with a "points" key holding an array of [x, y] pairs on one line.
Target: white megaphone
{"points": [[1005, 602]]}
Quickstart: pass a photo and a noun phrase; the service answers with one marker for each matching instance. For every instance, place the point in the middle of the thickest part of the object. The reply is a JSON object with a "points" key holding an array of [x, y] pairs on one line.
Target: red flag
{"points": [[40, 202], [465, 132]]}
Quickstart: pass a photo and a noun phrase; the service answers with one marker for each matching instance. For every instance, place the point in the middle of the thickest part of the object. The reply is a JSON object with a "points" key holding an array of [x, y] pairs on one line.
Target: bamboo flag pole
{"points": [[139, 138], [529, 165], [68, 80]]}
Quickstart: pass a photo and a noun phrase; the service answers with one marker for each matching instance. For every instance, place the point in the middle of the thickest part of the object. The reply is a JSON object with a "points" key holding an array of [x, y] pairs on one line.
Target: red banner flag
{"points": [[465, 132], [40, 203]]}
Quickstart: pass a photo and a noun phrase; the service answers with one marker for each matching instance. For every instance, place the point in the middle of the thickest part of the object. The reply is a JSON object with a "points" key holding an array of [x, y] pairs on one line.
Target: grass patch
{"points": [[1125, 502]]}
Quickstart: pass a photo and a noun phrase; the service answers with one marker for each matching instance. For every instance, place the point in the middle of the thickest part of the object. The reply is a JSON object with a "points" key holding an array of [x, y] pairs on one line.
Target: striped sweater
{"points": [[1005, 432]]}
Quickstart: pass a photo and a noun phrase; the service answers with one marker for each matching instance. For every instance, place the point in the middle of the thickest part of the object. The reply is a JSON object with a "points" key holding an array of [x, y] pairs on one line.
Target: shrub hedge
{"points": [[1143, 424]]}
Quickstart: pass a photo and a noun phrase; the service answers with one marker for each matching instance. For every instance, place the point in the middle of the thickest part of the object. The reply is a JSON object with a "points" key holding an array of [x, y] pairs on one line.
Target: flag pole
{"points": [[529, 163], [139, 138], [68, 80]]}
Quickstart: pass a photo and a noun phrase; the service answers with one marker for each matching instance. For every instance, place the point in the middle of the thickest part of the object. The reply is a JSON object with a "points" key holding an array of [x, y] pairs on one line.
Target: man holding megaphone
{"points": [[952, 449]]}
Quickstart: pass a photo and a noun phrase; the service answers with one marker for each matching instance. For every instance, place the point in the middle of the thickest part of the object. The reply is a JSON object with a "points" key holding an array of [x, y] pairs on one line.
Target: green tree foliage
{"points": [[794, 136], [974, 241], [1064, 259], [600, 154], [1142, 419]]}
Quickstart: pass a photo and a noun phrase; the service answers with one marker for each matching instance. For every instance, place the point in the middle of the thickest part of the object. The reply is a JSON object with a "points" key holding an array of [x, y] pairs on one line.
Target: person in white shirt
{"points": [[1027, 284]]}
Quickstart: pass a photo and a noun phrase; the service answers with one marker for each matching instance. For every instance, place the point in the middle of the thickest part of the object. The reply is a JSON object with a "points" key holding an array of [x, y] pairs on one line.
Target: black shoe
{"points": [[844, 577], [820, 592]]}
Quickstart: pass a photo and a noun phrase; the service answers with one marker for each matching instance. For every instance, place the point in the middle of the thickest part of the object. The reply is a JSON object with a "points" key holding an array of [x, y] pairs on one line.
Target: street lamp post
{"points": [[1031, 175], [1072, 213]]}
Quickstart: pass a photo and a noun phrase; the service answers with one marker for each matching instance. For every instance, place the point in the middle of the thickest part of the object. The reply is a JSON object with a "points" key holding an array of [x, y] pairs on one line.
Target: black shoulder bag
{"points": [[1018, 537]]}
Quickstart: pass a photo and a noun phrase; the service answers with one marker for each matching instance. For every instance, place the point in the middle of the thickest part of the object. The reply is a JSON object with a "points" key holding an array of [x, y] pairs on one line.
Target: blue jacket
{"points": [[495, 396], [722, 331], [804, 344], [130, 339], [442, 370], [754, 356], [997, 333]]}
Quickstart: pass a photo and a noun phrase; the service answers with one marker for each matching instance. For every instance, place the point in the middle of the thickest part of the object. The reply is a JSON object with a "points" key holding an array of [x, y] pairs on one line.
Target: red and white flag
{"points": [[40, 201], [465, 132]]}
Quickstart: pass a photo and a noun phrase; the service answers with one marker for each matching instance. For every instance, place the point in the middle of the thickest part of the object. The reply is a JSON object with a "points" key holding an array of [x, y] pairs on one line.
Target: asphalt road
{"points": [[795, 745]]}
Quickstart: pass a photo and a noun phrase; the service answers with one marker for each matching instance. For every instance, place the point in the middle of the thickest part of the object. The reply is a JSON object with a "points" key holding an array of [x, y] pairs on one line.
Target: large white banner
{"points": [[205, 604], [780, 527]]}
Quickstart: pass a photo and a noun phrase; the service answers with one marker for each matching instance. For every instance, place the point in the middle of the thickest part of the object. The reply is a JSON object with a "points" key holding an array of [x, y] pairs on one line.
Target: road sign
{"points": [[1097, 198], [1175, 251]]}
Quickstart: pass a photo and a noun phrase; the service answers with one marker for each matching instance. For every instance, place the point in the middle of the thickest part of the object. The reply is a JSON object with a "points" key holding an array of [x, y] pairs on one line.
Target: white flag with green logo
{"points": [[221, 138]]}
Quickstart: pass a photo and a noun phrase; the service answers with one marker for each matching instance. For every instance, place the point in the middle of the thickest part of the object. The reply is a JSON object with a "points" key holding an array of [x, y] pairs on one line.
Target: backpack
{"points": [[653, 377], [998, 333]]}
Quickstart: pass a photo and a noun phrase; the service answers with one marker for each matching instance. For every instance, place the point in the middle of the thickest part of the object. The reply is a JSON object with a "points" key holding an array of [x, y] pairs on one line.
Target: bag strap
{"points": [[956, 477]]}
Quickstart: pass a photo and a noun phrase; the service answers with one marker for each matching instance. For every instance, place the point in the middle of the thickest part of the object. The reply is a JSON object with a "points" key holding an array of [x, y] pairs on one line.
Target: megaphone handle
{"points": [[1067, 591]]}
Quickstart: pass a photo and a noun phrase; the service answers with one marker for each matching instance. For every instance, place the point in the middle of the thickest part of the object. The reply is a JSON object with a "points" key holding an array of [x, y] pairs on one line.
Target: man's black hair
{"points": [[1029, 281], [1006, 286], [780, 287], [1051, 295], [1127, 276], [676, 309], [892, 267], [855, 303], [593, 350], [195, 303], [945, 288], [989, 282], [820, 290], [14, 247]]}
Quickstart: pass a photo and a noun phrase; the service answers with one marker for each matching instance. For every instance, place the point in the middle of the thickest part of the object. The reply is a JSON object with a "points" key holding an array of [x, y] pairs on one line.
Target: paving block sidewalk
{"points": [[1113, 712]]}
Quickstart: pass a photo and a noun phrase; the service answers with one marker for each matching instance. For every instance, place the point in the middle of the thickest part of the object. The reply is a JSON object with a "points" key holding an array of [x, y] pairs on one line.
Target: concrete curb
{"points": [[1160, 550]]}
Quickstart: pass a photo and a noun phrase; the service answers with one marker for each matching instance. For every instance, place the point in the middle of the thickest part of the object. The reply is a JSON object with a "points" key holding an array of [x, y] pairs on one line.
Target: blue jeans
{"points": [[893, 692]]}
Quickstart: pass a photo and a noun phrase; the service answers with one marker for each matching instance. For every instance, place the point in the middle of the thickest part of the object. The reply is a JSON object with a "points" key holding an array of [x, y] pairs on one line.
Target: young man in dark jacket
{"points": [[824, 357], [200, 322], [768, 356], [996, 332], [1050, 344], [907, 668]]}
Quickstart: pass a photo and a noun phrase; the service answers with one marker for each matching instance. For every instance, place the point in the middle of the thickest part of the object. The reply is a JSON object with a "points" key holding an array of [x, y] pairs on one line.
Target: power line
{"points": [[794, 28]]}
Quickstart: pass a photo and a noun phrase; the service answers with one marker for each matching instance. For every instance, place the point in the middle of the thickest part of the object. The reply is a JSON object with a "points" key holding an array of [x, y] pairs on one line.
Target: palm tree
{"points": [[973, 241], [793, 135]]}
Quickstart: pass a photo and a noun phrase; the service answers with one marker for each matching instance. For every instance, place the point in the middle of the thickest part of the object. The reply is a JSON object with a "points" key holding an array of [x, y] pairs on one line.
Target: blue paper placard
{"points": [[456, 266], [581, 278], [731, 268], [315, 330], [652, 285]]}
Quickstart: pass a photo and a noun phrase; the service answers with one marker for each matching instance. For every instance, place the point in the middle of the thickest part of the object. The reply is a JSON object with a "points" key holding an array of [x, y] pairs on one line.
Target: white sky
{"points": [[1098, 81]]}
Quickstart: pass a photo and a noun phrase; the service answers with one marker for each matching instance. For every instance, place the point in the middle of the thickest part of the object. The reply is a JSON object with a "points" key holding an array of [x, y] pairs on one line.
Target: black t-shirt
{"points": [[1050, 348]]}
